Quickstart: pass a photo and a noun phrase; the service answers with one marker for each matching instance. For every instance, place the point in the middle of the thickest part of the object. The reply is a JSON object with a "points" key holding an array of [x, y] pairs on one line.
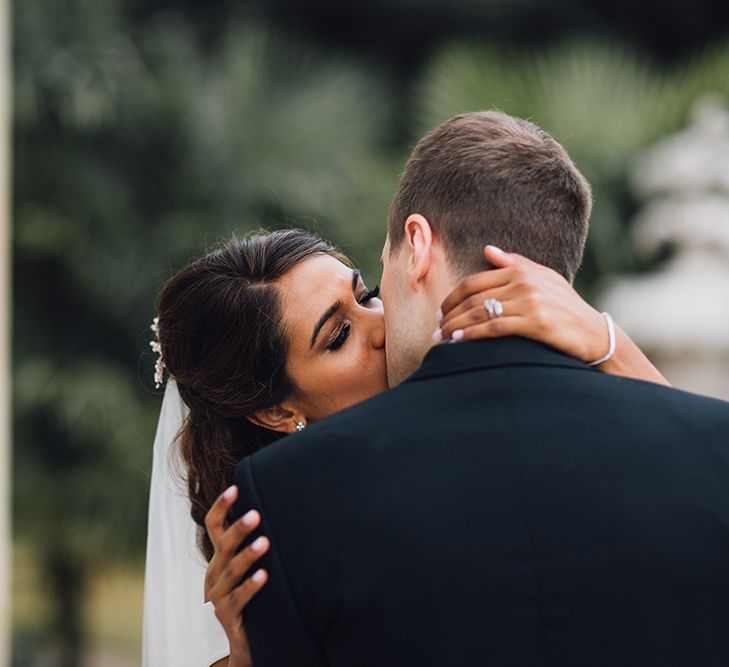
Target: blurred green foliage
{"points": [[137, 145]]}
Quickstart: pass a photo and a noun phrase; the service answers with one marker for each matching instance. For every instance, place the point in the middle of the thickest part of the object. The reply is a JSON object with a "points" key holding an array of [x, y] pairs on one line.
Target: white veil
{"points": [[178, 628]]}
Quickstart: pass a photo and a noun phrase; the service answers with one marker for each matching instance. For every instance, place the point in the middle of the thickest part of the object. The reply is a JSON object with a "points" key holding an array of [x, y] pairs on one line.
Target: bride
{"points": [[245, 368]]}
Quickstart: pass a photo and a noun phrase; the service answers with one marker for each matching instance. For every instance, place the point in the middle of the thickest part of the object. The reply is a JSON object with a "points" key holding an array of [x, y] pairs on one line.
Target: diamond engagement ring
{"points": [[494, 308]]}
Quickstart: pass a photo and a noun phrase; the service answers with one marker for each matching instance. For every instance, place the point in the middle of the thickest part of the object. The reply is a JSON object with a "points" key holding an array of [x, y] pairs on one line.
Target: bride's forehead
{"points": [[317, 272], [314, 285], [310, 289]]}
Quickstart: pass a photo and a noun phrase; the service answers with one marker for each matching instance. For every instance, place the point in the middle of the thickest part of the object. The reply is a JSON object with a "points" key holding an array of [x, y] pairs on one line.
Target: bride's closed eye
{"points": [[341, 334]]}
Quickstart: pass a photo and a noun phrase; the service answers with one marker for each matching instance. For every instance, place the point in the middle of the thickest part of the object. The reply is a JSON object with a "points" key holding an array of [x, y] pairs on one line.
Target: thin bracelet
{"points": [[613, 341]]}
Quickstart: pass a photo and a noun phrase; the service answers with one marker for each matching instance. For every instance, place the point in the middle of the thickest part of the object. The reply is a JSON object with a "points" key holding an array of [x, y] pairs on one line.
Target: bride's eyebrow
{"points": [[337, 305]]}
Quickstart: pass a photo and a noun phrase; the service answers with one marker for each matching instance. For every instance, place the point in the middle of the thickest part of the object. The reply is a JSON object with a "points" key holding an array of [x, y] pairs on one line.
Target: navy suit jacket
{"points": [[506, 505]]}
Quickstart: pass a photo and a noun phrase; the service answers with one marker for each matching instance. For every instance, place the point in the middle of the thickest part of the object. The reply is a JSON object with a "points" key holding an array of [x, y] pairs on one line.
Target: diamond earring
{"points": [[300, 426]]}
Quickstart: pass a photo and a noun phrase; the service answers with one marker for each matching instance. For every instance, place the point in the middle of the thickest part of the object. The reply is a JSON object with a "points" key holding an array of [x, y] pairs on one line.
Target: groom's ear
{"points": [[419, 244], [275, 418]]}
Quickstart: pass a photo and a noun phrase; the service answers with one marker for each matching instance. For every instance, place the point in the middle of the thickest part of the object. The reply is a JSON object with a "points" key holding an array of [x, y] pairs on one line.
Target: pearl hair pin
{"points": [[159, 365]]}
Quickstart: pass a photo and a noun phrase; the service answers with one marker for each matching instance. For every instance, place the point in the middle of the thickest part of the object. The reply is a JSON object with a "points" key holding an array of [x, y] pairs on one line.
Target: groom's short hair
{"points": [[489, 178]]}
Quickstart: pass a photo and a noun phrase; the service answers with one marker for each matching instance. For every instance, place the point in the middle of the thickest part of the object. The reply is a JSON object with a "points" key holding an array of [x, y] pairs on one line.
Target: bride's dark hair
{"points": [[224, 343]]}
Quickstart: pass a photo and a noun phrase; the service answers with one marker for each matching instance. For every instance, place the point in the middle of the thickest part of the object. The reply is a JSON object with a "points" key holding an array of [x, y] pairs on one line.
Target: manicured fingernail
{"points": [[457, 335], [437, 335], [439, 315], [493, 248], [229, 492], [249, 518], [259, 544], [259, 576]]}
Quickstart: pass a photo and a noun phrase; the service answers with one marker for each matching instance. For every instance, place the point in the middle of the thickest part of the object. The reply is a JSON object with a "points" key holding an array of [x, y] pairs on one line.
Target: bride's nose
{"points": [[377, 331]]}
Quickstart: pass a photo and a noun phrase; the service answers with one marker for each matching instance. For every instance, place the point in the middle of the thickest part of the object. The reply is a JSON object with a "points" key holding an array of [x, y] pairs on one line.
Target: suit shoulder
{"points": [[647, 401], [707, 413], [680, 398]]}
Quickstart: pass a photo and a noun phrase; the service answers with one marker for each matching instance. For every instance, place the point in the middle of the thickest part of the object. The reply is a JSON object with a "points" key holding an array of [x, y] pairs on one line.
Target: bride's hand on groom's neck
{"points": [[538, 303], [526, 299]]}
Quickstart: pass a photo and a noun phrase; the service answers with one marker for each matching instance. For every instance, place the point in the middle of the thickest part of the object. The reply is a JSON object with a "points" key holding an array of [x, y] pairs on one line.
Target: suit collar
{"points": [[451, 359]]}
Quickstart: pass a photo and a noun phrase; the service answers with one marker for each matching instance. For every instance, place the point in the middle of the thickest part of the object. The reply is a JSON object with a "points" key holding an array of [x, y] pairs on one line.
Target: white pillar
{"points": [[5, 260]]}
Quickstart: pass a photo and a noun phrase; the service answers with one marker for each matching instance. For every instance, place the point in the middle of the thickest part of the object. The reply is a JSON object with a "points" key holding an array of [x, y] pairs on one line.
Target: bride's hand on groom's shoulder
{"points": [[536, 302], [225, 585]]}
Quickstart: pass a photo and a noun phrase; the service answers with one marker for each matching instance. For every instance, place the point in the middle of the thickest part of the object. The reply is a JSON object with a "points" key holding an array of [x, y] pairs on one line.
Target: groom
{"points": [[503, 504]]}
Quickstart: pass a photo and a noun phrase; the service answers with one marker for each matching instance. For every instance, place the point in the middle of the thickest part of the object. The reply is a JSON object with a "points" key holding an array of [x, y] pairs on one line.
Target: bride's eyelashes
{"points": [[371, 294], [340, 337]]}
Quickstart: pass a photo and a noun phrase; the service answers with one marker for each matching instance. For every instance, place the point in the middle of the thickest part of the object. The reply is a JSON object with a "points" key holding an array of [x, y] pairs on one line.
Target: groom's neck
{"points": [[411, 332], [440, 284]]}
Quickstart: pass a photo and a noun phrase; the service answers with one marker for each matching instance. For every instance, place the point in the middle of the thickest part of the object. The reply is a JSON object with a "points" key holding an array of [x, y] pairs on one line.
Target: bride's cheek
{"points": [[362, 359], [350, 366]]}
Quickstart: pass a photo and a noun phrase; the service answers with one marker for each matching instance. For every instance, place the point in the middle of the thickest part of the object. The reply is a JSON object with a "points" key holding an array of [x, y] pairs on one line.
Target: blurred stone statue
{"points": [[679, 314]]}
